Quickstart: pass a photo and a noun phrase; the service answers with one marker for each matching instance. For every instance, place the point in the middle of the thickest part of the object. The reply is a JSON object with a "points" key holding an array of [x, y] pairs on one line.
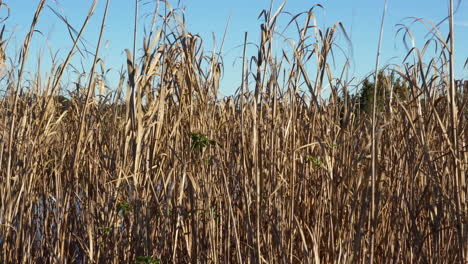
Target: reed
{"points": [[162, 170]]}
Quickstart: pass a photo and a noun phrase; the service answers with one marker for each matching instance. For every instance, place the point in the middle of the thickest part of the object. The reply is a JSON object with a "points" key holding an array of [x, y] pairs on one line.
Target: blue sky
{"points": [[361, 19]]}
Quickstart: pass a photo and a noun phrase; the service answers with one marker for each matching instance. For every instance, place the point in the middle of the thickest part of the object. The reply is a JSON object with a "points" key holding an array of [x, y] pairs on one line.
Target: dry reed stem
{"points": [[277, 174]]}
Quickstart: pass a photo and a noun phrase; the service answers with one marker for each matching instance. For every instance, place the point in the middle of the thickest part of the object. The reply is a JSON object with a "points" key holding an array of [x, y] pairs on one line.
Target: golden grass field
{"points": [[289, 169]]}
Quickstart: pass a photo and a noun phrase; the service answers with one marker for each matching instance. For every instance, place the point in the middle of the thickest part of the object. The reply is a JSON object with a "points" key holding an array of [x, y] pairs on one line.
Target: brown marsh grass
{"points": [[161, 169]]}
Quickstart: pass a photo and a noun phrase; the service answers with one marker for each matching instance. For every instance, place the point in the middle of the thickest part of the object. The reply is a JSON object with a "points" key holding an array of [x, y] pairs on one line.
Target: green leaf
{"points": [[146, 260], [123, 208], [316, 163], [200, 141]]}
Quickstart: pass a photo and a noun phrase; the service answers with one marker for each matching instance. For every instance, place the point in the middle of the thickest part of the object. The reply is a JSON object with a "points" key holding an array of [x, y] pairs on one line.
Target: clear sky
{"points": [[361, 19]]}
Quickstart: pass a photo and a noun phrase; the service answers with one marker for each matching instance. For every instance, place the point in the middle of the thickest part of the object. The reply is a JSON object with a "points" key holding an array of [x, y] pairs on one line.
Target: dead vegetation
{"points": [[161, 169]]}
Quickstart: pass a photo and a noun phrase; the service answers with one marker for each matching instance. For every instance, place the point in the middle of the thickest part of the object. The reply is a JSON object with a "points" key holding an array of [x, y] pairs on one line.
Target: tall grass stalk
{"points": [[458, 178], [373, 138]]}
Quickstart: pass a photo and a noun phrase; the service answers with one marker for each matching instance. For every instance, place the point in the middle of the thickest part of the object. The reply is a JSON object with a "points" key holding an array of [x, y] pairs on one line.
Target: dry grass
{"points": [[162, 168]]}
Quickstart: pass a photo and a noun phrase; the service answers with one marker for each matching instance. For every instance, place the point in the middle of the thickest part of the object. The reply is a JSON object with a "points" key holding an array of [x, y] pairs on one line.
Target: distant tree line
{"points": [[391, 87], [399, 89]]}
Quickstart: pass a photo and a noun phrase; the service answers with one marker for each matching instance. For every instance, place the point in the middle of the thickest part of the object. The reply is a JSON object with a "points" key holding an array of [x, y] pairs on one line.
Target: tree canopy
{"points": [[387, 82]]}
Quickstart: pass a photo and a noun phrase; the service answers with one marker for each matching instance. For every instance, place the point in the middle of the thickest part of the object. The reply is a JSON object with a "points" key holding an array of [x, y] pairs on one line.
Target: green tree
{"points": [[386, 82]]}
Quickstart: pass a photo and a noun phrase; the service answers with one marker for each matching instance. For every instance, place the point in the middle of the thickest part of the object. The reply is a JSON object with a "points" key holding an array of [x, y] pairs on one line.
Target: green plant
{"points": [[384, 84], [123, 208], [200, 141], [146, 260], [316, 163]]}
